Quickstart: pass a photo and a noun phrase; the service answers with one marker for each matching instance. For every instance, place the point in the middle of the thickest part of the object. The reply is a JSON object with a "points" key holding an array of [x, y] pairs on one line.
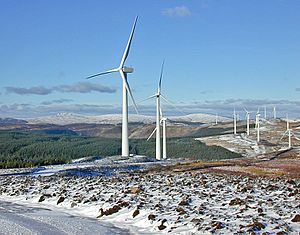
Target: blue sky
{"points": [[218, 55]]}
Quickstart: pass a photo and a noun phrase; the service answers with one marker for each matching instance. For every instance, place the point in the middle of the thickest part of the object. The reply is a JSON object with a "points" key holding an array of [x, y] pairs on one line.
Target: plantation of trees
{"points": [[26, 149]]}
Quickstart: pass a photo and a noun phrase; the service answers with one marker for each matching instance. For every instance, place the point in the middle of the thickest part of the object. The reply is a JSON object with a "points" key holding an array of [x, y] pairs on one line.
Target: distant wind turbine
{"points": [[248, 121], [288, 132], [123, 70], [234, 122], [257, 125], [265, 112], [159, 95], [274, 112]]}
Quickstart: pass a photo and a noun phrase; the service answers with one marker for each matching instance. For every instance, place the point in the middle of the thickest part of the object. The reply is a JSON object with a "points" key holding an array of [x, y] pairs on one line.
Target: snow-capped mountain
{"points": [[72, 118]]}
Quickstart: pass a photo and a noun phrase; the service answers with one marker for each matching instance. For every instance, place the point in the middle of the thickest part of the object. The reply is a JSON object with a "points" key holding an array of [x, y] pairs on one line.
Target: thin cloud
{"points": [[297, 89], [59, 101], [80, 87], [85, 87], [179, 11], [37, 90]]}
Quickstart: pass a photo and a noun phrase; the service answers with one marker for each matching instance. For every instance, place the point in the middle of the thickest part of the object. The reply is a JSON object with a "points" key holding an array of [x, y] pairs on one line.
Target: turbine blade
{"points": [[161, 75], [283, 135], [172, 104], [150, 97], [161, 114], [129, 90], [126, 52], [102, 73], [151, 134]]}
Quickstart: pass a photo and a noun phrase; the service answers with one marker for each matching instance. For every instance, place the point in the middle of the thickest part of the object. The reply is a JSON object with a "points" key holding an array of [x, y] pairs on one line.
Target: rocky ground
{"points": [[169, 202]]}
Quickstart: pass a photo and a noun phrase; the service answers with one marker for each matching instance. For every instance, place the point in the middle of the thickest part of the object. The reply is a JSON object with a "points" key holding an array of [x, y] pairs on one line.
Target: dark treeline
{"points": [[26, 149]]}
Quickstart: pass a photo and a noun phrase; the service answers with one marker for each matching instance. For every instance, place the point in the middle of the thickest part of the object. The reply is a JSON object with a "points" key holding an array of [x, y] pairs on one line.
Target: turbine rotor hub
{"points": [[127, 70]]}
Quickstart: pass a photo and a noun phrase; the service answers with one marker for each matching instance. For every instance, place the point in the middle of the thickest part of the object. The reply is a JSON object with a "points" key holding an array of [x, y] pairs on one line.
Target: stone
{"points": [[60, 200], [296, 218], [236, 201], [135, 213], [135, 190], [42, 198], [151, 217]]}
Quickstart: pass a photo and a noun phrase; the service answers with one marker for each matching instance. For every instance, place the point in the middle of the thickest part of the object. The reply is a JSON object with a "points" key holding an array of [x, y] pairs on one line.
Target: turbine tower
{"points": [[248, 121], [216, 118], [234, 122], [123, 70], [289, 132], [265, 112], [164, 120], [274, 112], [257, 126]]}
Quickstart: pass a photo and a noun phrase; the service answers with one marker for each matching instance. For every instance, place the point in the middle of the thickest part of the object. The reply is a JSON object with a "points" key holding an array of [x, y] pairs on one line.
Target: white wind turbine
{"points": [[248, 121], [157, 95], [288, 132], [257, 125], [159, 118], [234, 122], [265, 112], [123, 70], [274, 112]]}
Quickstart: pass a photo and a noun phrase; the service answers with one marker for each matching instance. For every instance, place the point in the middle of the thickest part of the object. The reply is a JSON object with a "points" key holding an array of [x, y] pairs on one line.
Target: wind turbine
{"points": [[288, 131], [274, 112], [234, 122], [123, 70], [159, 118], [248, 121], [265, 112], [164, 120], [257, 125], [216, 118], [157, 95]]}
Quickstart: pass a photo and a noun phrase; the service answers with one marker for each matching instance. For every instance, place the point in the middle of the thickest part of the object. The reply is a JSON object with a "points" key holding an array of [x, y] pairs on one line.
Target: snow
{"points": [[71, 118], [190, 202]]}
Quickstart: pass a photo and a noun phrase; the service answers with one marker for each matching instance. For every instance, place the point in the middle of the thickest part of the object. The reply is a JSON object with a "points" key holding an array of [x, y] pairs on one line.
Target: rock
{"points": [[180, 210], [42, 198], [113, 209], [151, 217], [236, 201], [162, 226], [60, 200], [218, 225], [135, 213], [259, 210], [184, 202], [281, 233], [73, 204], [135, 190], [296, 218]]}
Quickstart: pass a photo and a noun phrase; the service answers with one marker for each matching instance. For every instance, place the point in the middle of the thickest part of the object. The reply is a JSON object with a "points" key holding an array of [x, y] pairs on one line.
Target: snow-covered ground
{"points": [[28, 219], [176, 203]]}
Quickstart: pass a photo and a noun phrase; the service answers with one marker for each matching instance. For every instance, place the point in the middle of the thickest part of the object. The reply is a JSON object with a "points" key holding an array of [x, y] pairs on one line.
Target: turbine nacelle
{"points": [[127, 69]]}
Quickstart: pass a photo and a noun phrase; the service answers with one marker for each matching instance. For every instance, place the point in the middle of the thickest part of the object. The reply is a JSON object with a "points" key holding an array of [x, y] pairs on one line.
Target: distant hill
{"points": [[12, 121], [72, 118]]}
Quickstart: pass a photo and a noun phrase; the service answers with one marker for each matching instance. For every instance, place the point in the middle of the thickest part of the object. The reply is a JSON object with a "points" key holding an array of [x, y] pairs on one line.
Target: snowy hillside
{"points": [[71, 118]]}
